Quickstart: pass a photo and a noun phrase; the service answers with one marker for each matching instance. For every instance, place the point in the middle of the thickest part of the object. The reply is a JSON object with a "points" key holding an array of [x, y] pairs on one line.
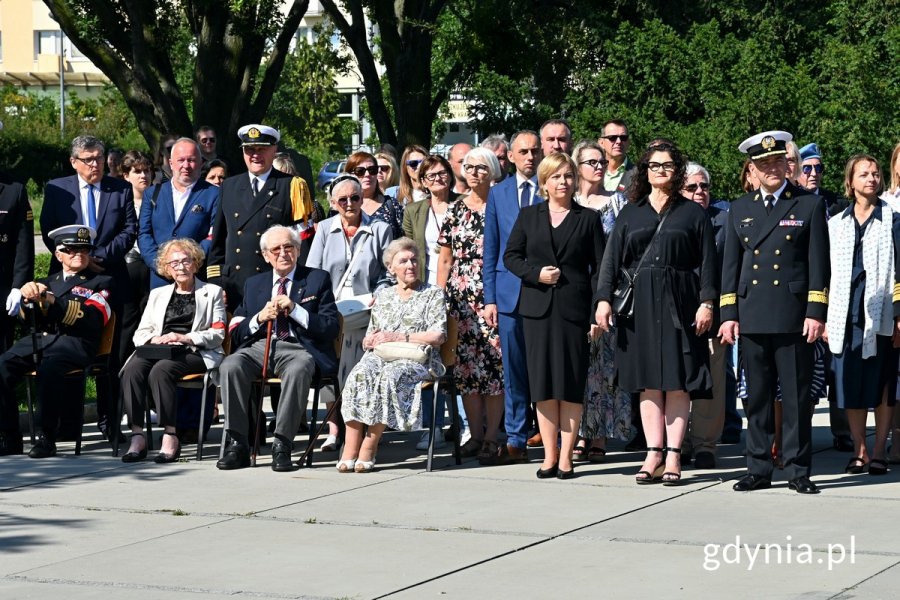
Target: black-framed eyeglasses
{"points": [[414, 163], [90, 160], [70, 250], [361, 171], [283, 249], [435, 176], [348, 199], [657, 167], [615, 138], [595, 162], [477, 169], [693, 187], [807, 169], [184, 262]]}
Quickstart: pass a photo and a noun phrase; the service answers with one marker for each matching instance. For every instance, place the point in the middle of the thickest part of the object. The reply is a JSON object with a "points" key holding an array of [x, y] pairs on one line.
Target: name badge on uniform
{"points": [[790, 223]]}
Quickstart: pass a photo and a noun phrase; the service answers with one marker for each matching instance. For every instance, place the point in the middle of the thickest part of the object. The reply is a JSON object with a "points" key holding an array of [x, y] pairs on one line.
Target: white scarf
{"points": [[878, 262]]}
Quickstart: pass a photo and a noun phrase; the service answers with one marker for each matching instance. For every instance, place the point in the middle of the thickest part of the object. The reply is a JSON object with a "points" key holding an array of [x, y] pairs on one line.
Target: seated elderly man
{"points": [[299, 303], [70, 309]]}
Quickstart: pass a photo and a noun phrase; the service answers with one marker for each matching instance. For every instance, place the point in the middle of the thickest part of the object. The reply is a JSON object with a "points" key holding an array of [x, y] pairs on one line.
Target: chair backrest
{"points": [[448, 348], [106, 338]]}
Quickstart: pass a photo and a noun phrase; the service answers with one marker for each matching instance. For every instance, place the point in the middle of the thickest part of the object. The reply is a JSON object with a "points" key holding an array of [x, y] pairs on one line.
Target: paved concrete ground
{"points": [[82, 527]]}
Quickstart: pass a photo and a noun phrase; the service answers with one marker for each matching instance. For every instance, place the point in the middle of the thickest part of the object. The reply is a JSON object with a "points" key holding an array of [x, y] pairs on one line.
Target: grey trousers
{"points": [[288, 361]]}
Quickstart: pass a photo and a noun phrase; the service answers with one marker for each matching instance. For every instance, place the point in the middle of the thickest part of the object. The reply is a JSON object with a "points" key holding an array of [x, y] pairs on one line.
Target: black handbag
{"points": [[623, 296], [161, 351]]}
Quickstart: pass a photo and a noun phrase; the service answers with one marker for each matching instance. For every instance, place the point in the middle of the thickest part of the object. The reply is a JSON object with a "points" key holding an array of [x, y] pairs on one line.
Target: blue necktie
{"points": [[525, 196], [91, 208]]}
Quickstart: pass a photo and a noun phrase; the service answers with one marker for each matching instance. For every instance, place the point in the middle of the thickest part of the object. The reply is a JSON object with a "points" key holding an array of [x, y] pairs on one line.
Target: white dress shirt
{"points": [[300, 315]]}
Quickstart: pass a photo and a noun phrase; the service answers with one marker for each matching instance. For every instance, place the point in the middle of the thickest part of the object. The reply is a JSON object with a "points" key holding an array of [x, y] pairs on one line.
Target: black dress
{"points": [[556, 319], [657, 348]]}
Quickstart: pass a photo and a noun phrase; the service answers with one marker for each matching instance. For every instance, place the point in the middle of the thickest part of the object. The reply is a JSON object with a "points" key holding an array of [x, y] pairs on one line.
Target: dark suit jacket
{"points": [[834, 204], [16, 237], [530, 247], [241, 219], [776, 267], [158, 224], [311, 289], [116, 222]]}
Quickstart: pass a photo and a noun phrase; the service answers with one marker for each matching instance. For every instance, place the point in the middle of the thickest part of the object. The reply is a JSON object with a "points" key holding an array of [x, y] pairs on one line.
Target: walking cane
{"points": [[262, 390], [318, 432], [36, 357]]}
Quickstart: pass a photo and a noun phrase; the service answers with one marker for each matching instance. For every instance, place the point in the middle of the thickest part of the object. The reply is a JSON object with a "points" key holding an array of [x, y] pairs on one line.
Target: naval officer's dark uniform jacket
{"points": [[16, 247], [242, 219], [69, 332], [775, 275]]}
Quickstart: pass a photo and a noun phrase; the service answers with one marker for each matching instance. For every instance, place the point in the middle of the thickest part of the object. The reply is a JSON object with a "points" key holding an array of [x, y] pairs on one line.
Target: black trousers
{"points": [[159, 378], [54, 391], [770, 359]]}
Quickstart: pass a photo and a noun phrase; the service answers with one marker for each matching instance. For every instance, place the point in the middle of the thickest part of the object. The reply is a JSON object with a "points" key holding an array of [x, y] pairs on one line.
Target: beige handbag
{"points": [[419, 353]]}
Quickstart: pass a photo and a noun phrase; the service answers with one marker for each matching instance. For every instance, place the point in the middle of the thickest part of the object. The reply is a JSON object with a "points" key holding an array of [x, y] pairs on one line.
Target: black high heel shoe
{"points": [[547, 473], [671, 478], [655, 475], [133, 457], [163, 458]]}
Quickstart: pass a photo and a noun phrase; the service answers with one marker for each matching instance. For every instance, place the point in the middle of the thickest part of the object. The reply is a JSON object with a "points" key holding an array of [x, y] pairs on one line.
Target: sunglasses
{"points": [[595, 162], [414, 163], [285, 249], [807, 169], [384, 168], [615, 138], [348, 199], [361, 171], [207, 140], [693, 187], [74, 250]]}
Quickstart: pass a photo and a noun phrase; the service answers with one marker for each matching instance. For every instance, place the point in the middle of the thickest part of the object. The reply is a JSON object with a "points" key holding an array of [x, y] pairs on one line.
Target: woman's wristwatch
{"points": [[407, 336], [707, 305]]}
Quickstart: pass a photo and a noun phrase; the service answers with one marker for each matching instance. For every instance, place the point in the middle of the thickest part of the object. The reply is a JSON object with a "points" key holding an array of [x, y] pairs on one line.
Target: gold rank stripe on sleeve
{"points": [[818, 296], [72, 310], [214, 271], [727, 300], [29, 216], [896, 292]]}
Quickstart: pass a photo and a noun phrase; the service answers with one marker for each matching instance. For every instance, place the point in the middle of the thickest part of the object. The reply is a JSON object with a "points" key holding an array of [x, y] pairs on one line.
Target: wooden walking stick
{"points": [[318, 432], [262, 391]]}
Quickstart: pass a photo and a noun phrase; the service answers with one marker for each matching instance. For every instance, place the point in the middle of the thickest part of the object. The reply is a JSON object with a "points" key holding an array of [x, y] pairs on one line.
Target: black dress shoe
{"points": [[565, 474], [237, 456], [751, 482], [547, 473], [843, 443], [705, 460], [10, 443], [281, 456], [43, 448], [802, 485]]}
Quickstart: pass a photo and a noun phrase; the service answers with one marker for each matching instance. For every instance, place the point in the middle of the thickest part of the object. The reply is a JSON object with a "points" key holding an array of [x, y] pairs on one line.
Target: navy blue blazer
{"points": [[157, 223], [116, 222], [500, 286], [311, 289]]}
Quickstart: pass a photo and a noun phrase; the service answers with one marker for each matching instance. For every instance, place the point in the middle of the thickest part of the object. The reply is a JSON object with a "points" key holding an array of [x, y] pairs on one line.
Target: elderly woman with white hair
{"points": [[383, 391], [479, 370], [350, 247]]}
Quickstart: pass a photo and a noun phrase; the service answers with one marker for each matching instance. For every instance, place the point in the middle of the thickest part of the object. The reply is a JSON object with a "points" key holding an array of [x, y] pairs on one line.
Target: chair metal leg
{"points": [[81, 420], [201, 428], [433, 425], [30, 409], [120, 410], [313, 426], [149, 428], [455, 418]]}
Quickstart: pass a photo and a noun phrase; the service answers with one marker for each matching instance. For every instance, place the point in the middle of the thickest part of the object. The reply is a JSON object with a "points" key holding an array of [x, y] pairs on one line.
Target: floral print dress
{"points": [[607, 409], [390, 392], [479, 366]]}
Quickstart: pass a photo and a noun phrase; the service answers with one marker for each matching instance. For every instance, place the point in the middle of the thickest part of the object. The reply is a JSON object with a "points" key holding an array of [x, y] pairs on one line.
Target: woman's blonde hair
{"points": [[849, 193], [550, 165], [393, 177]]}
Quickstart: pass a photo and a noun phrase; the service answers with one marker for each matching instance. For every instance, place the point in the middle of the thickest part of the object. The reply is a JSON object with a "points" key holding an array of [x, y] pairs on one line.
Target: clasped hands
{"points": [[172, 338], [278, 304], [380, 337]]}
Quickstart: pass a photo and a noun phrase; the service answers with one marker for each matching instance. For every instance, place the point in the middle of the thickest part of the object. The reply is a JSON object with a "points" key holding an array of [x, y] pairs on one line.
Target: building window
{"points": [[46, 42]]}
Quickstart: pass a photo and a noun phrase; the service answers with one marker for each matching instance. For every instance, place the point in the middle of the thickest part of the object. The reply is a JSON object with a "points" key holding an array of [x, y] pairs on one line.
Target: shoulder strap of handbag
{"points": [[652, 240], [156, 194], [353, 257]]}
